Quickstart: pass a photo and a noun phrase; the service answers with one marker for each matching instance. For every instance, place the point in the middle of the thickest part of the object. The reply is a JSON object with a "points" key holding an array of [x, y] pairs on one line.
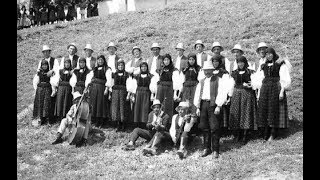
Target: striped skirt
{"points": [[243, 109], [165, 95], [63, 99], [119, 105], [142, 105], [42, 101]]}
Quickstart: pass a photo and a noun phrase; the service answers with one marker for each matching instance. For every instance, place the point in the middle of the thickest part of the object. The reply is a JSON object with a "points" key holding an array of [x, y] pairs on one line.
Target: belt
{"points": [[205, 100]]}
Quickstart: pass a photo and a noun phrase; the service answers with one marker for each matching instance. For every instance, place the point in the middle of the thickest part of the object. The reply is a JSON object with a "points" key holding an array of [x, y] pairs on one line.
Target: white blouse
{"points": [[111, 83], [108, 75]]}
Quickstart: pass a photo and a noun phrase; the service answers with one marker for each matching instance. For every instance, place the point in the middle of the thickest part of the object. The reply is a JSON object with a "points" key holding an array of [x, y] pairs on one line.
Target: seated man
{"points": [[157, 122], [69, 120], [181, 125]]}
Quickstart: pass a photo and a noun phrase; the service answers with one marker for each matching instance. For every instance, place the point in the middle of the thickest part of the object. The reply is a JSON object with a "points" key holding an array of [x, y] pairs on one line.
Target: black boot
{"points": [[266, 133], [239, 135], [273, 134], [206, 144], [58, 139], [245, 136], [118, 126], [215, 144]]}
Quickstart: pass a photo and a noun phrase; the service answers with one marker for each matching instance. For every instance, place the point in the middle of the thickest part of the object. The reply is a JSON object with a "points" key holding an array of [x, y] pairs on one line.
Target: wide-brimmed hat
{"points": [[76, 95], [238, 47], [180, 46], [216, 44], [156, 102], [135, 47], [88, 46], [260, 45], [198, 42], [46, 48], [207, 65], [111, 44], [183, 104], [155, 45], [74, 45]]}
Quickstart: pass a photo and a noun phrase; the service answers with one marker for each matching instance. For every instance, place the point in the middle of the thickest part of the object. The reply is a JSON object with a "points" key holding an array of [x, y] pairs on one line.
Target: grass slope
{"points": [[277, 22]]}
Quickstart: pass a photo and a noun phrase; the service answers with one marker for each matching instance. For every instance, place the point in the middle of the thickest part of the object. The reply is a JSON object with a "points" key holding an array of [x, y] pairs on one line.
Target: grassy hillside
{"points": [[277, 22]]}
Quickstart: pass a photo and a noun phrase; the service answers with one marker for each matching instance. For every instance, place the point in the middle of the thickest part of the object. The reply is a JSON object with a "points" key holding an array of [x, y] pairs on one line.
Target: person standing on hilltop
{"points": [[273, 80], [165, 83], [201, 55], [60, 12], [72, 12], [52, 12], [44, 14], [112, 58], [156, 62]]}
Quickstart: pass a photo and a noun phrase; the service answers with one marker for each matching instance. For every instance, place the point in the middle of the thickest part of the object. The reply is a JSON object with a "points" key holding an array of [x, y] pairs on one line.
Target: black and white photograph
{"points": [[160, 89]]}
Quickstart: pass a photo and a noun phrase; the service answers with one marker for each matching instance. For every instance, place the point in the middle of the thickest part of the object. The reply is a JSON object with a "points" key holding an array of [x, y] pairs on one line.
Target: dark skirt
{"points": [[165, 96], [243, 109], [63, 100], [60, 15], [119, 105], [271, 111], [97, 99], [79, 87], [142, 105], [189, 89], [42, 101], [52, 16]]}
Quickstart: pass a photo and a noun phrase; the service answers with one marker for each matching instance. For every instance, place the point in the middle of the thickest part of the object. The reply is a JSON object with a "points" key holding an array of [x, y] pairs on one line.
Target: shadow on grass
{"points": [[96, 136]]}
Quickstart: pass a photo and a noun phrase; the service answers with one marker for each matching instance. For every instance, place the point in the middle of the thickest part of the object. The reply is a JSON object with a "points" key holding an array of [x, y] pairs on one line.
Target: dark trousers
{"points": [[208, 120], [158, 138], [143, 133], [185, 136]]}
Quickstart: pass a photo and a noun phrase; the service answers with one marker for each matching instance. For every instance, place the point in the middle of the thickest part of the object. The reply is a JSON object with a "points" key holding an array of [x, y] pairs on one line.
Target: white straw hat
{"points": [[238, 47], [260, 45], [155, 45], [216, 44], [183, 104], [135, 47], [180, 46], [207, 65], [198, 42], [76, 95], [111, 44], [46, 48], [88, 46], [156, 102]]}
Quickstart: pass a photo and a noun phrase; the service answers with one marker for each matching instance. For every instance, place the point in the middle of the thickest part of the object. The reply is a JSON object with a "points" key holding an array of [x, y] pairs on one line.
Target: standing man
{"points": [[209, 97], [156, 62], [72, 50], [91, 61], [112, 58], [201, 55], [53, 69], [133, 65]]}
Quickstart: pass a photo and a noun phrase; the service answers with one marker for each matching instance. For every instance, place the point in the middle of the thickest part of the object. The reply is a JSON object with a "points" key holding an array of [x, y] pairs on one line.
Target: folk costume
{"points": [[156, 62], [44, 15], [181, 125], [201, 56], [72, 57], [243, 107], [273, 80], [60, 12], [91, 61], [112, 59], [165, 84], [210, 95], [64, 92], [99, 78], [42, 99], [78, 78], [120, 107], [140, 91], [133, 66]]}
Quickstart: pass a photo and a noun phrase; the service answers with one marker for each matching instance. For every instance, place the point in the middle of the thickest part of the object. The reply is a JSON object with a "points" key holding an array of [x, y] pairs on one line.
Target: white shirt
{"points": [[178, 62], [187, 126], [228, 65], [88, 63], [206, 89], [70, 57], [199, 61], [111, 62], [154, 65]]}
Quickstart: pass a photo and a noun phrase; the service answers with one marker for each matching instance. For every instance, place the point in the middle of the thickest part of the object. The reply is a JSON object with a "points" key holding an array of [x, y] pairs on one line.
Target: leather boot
{"points": [[215, 138], [239, 135], [58, 139], [273, 134], [245, 136], [206, 144], [182, 152], [266, 133]]}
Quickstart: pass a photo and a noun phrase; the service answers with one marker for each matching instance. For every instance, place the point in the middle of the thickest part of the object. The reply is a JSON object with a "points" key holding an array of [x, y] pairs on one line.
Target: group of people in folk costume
{"points": [[167, 99]]}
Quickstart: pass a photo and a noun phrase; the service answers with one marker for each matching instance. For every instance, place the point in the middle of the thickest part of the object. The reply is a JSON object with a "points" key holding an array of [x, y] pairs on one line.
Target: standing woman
{"points": [[189, 79], [78, 78], [60, 12], [141, 93], [165, 83], [64, 95], [119, 105], [99, 78], [274, 79], [42, 100], [243, 107], [44, 14]]}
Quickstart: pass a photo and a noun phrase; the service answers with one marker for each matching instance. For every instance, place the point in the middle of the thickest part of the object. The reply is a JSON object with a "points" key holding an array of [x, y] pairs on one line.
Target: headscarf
{"points": [[83, 60], [120, 62], [44, 62], [217, 57], [170, 66], [104, 61], [64, 67], [243, 59], [146, 64], [195, 65], [272, 51]]}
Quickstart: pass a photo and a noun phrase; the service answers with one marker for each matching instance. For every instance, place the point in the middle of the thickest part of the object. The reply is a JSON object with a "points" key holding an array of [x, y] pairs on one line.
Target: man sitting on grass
{"points": [[156, 128], [69, 120]]}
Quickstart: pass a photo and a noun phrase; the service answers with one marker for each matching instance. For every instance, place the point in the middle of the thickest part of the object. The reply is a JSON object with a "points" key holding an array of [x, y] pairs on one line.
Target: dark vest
{"points": [[214, 81]]}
